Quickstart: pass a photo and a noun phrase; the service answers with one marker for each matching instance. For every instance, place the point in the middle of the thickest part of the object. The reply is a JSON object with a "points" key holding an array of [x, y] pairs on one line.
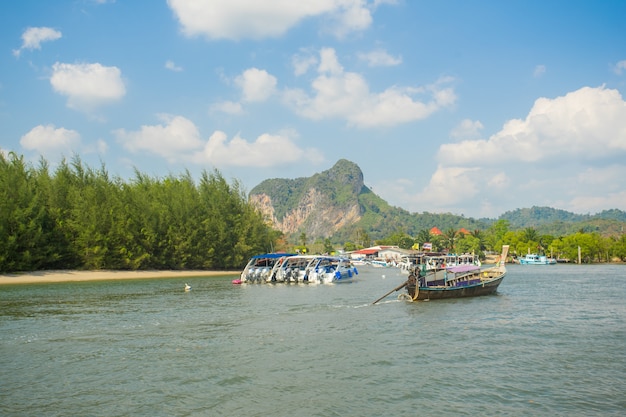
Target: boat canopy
{"points": [[272, 255], [463, 268]]}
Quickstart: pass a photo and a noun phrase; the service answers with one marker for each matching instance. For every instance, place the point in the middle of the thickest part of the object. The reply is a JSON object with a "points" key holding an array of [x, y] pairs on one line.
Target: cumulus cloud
{"points": [[256, 85], [173, 139], [178, 139], [87, 85], [337, 93], [302, 62], [379, 58], [620, 67], [47, 140], [576, 140], [266, 151], [253, 19], [589, 122], [33, 37], [467, 129]]}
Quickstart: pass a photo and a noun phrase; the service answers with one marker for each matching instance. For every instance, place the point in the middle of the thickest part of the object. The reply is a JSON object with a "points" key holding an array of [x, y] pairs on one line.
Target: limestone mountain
{"points": [[318, 206], [337, 204]]}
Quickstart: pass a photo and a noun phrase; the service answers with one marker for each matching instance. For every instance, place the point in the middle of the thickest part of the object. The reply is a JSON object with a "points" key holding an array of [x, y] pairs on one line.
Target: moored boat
{"points": [[534, 259], [436, 261], [457, 281], [290, 268], [453, 282], [259, 268]]}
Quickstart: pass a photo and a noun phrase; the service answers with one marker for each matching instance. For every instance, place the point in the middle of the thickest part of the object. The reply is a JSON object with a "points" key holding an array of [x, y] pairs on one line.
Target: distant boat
{"points": [[379, 263], [534, 259]]}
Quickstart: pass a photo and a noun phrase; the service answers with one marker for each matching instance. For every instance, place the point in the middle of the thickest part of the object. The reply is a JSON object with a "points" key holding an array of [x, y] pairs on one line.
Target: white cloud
{"points": [[589, 122], [340, 94], [266, 151], [562, 154], [379, 58], [172, 140], [253, 19], [87, 85], [48, 140], [33, 37], [178, 140], [349, 17], [467, 129], [620, 67], [256, 85], [303, 62], [448, 186], [170, 65]]}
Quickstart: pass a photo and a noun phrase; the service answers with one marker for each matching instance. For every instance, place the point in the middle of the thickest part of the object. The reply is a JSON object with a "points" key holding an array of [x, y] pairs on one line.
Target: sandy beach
{"points": [[68, 276]]}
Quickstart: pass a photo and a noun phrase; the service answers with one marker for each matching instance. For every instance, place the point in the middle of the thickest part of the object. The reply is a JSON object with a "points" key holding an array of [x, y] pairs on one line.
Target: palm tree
{"points": [[449, 237], [530, 234], [423, 236], [479, 235]]}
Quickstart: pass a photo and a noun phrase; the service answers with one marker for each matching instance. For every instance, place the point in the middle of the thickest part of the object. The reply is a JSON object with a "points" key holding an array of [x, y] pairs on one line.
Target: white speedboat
{"points": [[260, 268], [314, 269]]}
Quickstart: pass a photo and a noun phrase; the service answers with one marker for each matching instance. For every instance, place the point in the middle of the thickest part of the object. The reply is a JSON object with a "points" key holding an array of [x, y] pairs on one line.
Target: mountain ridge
{"points": [[337, 204]]}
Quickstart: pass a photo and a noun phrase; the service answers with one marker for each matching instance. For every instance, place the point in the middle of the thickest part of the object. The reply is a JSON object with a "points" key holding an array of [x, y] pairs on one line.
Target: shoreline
{"points": [[44, 277]]}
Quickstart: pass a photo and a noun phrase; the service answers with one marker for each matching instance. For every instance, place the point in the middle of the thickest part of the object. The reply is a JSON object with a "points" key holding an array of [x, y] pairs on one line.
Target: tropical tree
{"points": [[328, 246], [449, 239], [362, 238]]}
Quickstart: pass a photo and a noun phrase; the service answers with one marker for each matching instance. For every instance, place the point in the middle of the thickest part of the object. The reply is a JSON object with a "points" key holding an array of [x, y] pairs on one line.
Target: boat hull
{"points": [[457, 282], [523, 262], [440, 293]]}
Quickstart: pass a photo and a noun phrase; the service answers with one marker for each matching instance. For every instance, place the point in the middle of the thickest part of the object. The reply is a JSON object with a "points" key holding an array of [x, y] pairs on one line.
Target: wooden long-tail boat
{"points": [[456, 282]]}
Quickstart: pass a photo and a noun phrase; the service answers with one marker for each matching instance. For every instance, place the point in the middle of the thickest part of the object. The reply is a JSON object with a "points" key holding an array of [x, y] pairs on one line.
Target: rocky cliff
{"points": [[318, 206]]}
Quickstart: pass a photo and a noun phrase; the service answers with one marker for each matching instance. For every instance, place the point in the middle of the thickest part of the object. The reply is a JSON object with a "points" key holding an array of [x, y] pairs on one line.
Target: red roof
{"points": [[366, 251], [464, 231], [435, 231]]}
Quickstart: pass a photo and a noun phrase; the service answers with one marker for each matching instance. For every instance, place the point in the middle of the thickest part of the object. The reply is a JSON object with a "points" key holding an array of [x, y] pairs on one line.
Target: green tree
{"points": [[449, 239], [328, 246], [303, 239], [349, 247]]}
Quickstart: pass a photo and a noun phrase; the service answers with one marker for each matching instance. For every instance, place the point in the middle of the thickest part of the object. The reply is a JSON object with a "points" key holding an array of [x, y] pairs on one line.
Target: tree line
{"points": [[593, 246], [77, 217]]}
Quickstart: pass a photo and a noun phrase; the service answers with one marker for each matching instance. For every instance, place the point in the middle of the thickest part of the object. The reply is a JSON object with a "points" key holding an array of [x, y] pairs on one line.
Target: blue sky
{"points": [[468, 107]]}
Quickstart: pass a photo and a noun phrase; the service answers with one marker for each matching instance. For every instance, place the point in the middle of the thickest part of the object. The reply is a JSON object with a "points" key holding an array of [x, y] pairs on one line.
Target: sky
{"points": [[472, 108]]}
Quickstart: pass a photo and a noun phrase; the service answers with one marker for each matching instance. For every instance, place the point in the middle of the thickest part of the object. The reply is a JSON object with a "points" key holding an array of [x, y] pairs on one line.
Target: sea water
{"points": [[552, 342]]}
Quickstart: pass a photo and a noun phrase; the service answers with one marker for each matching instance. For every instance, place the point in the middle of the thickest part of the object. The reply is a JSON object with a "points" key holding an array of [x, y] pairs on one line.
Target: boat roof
{"points": [[463, 268], [272, 255]]}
